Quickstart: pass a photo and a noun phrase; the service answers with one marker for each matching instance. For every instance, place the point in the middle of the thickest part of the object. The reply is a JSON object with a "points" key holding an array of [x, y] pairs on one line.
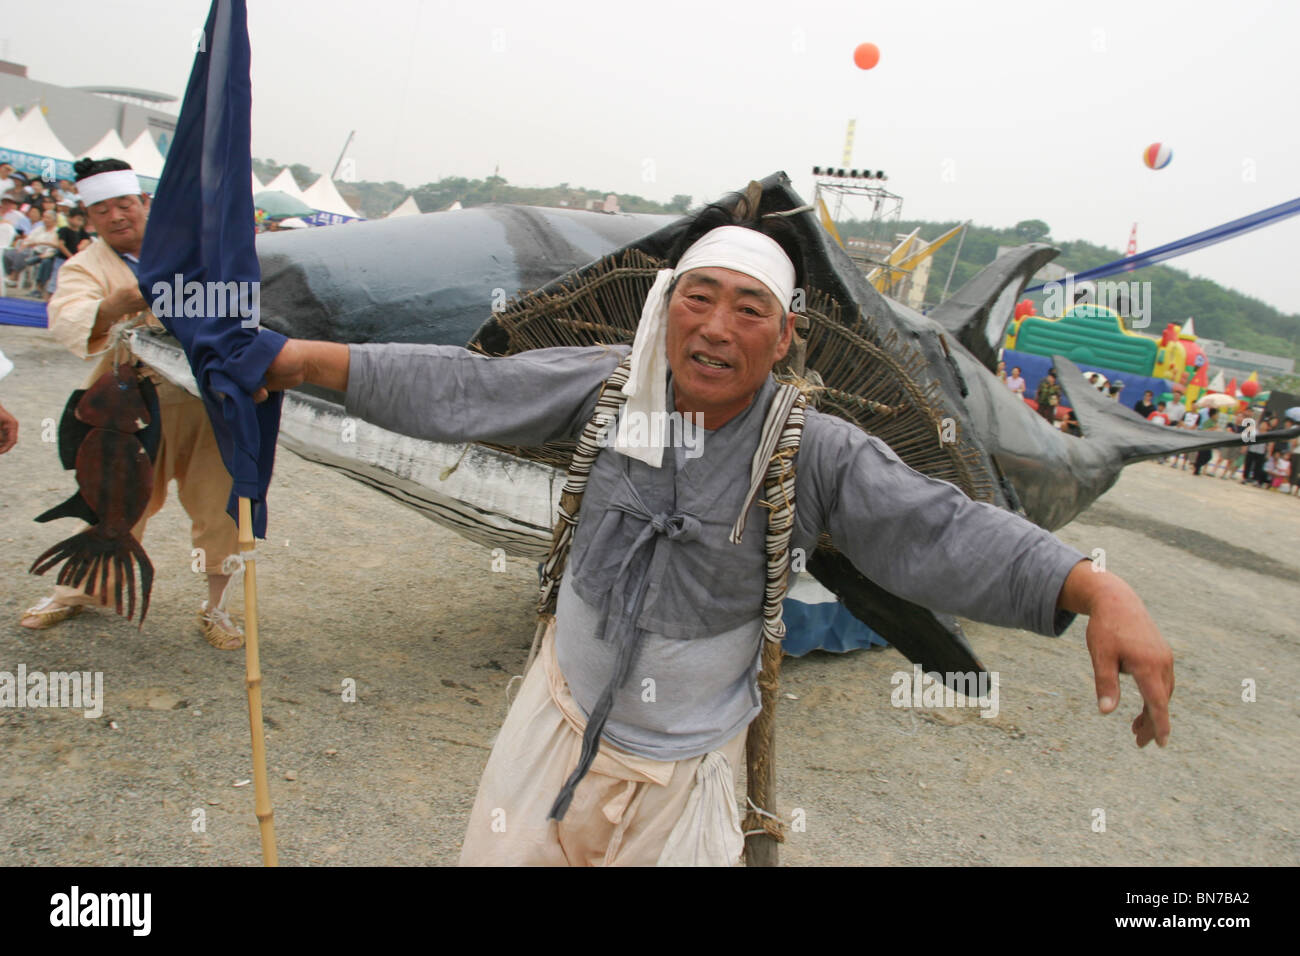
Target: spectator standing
{"points": [[1205, 455], [1145, 408], [1255, 455], [1048, 396], [1015, 382]]}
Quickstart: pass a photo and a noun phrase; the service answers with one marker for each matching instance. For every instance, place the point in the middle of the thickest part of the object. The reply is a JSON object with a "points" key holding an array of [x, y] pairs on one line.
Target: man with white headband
{"points": [[96, 290], [622, 744]]}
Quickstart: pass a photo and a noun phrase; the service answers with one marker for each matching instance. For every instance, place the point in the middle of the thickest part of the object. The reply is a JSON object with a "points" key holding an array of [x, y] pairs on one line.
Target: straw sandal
{"points": [[219, 629], [47, 612]]}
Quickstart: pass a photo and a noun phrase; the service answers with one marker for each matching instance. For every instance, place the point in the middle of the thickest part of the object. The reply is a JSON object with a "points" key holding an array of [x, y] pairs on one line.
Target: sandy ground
{"points": [[353, 586]]}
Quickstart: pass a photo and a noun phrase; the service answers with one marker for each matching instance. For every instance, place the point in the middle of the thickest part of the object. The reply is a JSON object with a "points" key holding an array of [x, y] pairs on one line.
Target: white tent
{"points": [[144, 157], [286, 184], [407, 208], [257, 185], [322, 196], [1217, 385], [33, 135], [454, 206], [110, 146], [8, 123]]}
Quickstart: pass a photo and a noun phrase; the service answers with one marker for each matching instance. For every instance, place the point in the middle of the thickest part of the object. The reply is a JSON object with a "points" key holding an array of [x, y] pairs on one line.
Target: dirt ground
{"points": [[354, 586]]}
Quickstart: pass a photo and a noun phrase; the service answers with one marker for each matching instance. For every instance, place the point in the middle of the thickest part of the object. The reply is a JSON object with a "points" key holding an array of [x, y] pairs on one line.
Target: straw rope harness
{"points": [[772, 469]]}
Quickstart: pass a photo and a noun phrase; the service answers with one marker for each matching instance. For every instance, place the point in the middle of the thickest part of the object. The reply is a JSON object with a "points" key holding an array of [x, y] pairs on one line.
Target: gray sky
{"points": [[993, 111]]}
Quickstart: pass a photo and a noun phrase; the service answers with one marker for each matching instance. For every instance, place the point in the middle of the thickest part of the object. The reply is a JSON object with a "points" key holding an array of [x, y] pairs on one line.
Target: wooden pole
{"points": [[763, 833], [253, 681]]}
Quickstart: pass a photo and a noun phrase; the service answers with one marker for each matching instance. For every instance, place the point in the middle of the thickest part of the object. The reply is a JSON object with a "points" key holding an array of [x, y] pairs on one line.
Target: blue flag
{"points": [[198, 265]]}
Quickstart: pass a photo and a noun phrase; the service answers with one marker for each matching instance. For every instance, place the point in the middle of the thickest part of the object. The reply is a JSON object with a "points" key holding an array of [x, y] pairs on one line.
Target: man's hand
{"points": [[122, 302], [1123, 639], [302, 360], [8, 431]]}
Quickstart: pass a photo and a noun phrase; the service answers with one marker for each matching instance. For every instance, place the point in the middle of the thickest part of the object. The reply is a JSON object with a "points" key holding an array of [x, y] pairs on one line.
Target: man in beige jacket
{"points": [[97, 288]]}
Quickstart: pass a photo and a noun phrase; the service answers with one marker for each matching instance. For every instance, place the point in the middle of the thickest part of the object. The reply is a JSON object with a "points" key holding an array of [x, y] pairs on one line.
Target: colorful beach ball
{"points": [[866, 55], [1157, 156]]}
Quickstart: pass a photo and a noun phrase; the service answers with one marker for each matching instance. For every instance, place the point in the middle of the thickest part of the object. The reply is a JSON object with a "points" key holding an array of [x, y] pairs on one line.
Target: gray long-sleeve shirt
{"points": [[692, 686]]}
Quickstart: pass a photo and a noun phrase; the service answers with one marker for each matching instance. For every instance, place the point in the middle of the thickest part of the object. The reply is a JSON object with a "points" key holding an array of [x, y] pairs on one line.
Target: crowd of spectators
{"points": [[42, 225], [1274, 465]]}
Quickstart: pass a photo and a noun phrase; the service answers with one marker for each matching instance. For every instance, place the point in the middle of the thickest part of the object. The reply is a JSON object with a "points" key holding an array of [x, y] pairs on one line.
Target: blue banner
{"points": [[51, 170], [201, 235]]}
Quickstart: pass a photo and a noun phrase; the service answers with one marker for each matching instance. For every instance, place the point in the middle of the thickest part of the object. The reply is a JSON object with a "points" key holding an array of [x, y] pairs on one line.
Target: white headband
{"points": [[109, 185], [742, 250]]}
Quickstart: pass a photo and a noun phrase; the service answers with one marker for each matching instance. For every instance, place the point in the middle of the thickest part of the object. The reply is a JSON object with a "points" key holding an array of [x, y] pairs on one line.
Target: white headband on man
{"points": [[728, 247], [109, 185]]}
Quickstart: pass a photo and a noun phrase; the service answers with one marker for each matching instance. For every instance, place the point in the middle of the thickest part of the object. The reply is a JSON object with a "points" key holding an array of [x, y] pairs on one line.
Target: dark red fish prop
{"points": [[109, 434]]}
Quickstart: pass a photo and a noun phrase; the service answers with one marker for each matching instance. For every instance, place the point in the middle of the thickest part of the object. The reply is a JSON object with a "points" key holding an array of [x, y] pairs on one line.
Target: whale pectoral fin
{"points": [[935, 641], [74, 507], [72, 431]]}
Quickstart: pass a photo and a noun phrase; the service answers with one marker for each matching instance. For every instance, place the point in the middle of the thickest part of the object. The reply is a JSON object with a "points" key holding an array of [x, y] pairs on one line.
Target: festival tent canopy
{"points": [[144, 157], [1217, 383], [324, 197], [407, 208], [285, 183], [33, 135], [257, 185], [110, 146], [8, 122]]}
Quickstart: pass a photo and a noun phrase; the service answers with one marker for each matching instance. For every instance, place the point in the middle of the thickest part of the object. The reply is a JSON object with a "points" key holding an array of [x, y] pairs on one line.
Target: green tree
{"points": [[1032, 230]]}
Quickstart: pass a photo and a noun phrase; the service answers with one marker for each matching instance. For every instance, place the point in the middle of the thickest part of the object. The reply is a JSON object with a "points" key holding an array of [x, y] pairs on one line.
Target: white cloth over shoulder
{"points": [[6, 366], [708, 833]]}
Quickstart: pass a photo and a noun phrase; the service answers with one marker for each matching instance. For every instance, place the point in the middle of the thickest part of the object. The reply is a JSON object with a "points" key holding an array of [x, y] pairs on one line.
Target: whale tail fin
{"points": [[1136, 439]]}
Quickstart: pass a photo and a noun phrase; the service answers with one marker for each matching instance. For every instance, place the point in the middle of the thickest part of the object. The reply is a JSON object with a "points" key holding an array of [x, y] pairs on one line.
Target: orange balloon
{"points": [[866, 55]]}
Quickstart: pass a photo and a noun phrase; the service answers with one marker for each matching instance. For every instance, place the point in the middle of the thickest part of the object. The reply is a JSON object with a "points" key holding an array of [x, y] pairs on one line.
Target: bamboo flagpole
{"points": [[253, 681], [762, 831]]}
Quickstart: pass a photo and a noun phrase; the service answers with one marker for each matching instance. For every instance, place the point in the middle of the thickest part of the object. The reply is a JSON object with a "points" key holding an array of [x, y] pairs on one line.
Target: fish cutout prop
{"points": [[109, 434], [924, 384]]}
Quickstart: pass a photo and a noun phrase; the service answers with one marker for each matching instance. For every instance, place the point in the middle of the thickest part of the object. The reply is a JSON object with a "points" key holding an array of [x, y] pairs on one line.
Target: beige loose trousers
{"points": [[623, 811]]}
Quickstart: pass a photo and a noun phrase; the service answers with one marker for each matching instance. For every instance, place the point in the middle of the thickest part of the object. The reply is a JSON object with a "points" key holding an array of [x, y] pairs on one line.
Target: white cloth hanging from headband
{"points": [[728, 247]]}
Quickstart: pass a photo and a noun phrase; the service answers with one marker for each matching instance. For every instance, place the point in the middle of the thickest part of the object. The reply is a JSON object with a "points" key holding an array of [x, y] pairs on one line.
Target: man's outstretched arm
{"points": [[301, 360], [925, 541], [1122, 639]]}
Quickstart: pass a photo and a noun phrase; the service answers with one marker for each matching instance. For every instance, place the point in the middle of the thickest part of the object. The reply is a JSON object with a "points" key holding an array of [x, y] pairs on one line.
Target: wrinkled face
{"points": [[725, 332], [120, 221], [49, 218]]}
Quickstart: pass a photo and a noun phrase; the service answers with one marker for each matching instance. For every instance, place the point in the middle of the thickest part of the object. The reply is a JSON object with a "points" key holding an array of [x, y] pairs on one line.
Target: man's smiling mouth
{"points": [[708, 362]]}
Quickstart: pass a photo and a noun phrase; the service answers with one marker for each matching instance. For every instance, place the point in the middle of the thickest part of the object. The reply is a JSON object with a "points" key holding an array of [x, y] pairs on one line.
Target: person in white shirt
{"points": [[1015, 382], [41, 242], [10, 213]]}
